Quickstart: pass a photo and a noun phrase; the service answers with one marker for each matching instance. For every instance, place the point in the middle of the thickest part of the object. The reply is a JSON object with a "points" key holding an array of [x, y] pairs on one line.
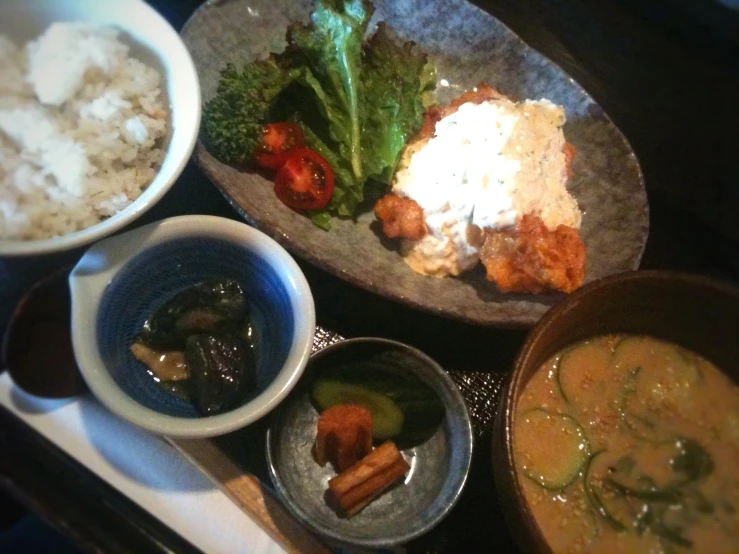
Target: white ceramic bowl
{"points": [[155, 42], [121, 280]]}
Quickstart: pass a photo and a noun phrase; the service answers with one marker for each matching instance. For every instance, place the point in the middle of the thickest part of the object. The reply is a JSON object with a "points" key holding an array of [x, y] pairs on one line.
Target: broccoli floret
{"points": [[232, 120]]}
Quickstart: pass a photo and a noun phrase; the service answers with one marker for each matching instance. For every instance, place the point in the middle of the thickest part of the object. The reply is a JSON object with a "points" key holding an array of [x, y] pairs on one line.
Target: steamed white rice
{"points": [[81, 129]]}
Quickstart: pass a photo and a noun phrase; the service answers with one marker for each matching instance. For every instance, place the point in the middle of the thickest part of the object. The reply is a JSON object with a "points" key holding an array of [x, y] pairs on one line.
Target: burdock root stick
{"points": [[359, 485]]}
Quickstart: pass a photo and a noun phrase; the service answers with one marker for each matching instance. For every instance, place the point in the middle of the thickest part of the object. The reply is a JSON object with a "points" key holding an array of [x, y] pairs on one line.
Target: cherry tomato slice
{"points": [[278, 141], [305, 181]]}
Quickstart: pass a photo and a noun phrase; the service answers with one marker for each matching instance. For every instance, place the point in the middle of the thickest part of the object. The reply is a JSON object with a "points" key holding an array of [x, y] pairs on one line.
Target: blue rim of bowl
{"points": [[446, 382]]}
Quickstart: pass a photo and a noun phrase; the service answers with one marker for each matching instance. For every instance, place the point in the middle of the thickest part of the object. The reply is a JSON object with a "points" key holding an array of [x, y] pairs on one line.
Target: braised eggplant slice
{"points": [[222, 371], [212, 306]]}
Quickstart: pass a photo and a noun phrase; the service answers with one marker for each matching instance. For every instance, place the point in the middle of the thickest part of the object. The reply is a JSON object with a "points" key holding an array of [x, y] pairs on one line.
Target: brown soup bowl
{"points": [[697, 313]]}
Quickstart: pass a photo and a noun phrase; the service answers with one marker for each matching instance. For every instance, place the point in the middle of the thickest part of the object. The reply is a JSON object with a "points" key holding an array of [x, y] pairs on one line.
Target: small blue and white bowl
{"points": [[119, 283]]}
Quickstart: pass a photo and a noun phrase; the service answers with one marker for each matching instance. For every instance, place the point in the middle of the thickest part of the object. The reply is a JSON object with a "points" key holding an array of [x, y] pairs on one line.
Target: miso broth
{"points": [[630, 444]]}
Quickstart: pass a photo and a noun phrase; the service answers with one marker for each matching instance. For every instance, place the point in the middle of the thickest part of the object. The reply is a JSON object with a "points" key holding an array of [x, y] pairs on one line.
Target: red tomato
{"points": [[278, 141], [306, 181]]}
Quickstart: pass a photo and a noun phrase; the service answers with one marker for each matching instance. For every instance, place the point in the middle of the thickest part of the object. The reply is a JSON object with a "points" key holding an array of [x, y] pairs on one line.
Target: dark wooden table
{"points": [[666, 71]]}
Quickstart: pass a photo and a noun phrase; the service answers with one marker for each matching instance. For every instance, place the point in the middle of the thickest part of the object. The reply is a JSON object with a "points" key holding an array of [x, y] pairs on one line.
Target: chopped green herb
{"points": [[692, 460], [667, 496], [624, 465]]}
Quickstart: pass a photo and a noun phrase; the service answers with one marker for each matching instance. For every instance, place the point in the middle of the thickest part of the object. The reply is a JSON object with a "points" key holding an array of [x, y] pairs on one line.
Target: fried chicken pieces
{"points": [[528, 257], [531, 258], [401, 217]]}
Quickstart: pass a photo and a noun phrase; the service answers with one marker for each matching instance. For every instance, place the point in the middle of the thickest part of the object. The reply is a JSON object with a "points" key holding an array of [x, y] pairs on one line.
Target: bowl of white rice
{"points": [[99, 113]]}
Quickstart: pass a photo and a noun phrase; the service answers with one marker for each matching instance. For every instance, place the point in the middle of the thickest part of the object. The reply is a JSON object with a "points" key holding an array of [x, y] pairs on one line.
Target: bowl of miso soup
{"points": [[618, 431]]}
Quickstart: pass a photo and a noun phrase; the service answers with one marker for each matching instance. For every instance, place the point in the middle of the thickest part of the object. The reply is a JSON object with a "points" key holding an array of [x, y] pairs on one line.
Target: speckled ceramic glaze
{"points": [[468, 46], [439, 466]]}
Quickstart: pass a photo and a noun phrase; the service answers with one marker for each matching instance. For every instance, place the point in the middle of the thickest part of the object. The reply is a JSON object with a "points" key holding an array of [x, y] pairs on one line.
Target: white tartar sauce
{"points": [[487, 165]]}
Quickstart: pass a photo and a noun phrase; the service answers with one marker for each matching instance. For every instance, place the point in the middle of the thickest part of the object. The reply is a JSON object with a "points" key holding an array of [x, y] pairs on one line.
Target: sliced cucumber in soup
{"points": [[660, 376], [585, 376], [551, 449], [634, 416], [666, 372], [387, 418]]}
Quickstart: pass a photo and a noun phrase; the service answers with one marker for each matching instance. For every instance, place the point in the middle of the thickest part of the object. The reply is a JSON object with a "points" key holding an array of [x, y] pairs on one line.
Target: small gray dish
{"points": [[439, 466]]}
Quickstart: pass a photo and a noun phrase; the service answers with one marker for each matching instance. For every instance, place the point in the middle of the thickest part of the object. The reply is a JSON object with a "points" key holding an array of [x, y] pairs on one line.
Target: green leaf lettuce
{"points": [[358, 102]]}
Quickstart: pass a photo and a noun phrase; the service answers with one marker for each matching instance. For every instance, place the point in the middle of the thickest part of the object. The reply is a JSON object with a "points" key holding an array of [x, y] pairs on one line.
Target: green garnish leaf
{"points": [[692, 460], [332, 49], [320, 218], [394, 79], [671, 535], [595, 500], [348, 190], [624, 465], [644, 520], [667, 496], [357, 102]]}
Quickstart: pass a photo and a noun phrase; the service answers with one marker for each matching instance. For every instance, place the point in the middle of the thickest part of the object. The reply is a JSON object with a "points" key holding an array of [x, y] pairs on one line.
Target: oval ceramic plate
{"points": [[468, 46]]}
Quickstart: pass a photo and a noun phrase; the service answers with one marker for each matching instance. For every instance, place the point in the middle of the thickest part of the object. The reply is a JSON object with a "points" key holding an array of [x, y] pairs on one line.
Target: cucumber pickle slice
{"points": [[404, 408], [387, 417]]}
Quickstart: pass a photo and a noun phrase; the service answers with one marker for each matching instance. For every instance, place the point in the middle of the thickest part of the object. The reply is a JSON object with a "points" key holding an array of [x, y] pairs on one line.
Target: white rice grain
{"points": [[81, 130]]}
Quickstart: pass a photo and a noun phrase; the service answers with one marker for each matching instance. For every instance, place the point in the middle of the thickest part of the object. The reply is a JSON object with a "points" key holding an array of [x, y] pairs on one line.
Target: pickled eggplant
{"points": [[212, 306], [200, 345], [222, 371]]}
